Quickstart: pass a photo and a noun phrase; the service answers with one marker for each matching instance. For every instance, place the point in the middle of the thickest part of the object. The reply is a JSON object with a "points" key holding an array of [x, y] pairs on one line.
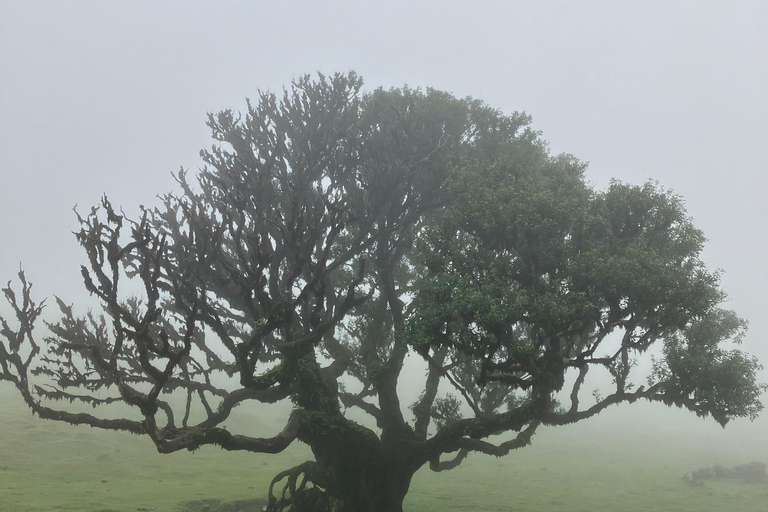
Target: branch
{"points": [[445, 373], [350, 400], [465, 445], [437, 465], [463, 433], [172, 440], [577, 387], [523, 438], [572, 416], [423, 409], [132, 426], [231, 400]]}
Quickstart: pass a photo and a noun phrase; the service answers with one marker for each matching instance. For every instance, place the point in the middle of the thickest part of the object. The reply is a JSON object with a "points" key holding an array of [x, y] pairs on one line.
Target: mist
{"points": [[111, 98]]}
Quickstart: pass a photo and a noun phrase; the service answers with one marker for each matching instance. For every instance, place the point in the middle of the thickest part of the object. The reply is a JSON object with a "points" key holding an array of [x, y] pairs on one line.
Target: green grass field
{"points": [[624, 465]]}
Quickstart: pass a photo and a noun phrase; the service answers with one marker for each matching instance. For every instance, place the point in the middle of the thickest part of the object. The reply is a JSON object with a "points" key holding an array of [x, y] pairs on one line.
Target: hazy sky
{"points": [[111, 97]]}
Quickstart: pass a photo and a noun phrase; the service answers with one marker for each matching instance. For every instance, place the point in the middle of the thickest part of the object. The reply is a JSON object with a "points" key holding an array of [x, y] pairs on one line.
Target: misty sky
{"points": [[112, 97]]}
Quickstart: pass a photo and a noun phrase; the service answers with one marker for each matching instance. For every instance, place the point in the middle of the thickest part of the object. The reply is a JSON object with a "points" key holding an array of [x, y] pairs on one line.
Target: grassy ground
{"points": [[46, 466]]}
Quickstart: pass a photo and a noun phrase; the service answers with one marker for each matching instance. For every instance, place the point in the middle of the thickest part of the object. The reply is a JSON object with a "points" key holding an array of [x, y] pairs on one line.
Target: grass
{"points": [[50, 467], [561, 477]]}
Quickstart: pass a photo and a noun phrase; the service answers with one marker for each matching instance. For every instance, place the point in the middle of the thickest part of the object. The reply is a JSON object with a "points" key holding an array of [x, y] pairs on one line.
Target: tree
{"points": [[331, 233]]}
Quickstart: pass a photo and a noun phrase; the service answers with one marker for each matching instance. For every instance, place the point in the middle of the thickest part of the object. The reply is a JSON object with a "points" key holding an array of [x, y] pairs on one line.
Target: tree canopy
{"points": [[331, 233]]}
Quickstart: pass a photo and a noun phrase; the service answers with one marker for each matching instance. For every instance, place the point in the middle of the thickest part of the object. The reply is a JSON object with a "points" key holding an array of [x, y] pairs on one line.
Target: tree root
{"points": [[299, 498]]}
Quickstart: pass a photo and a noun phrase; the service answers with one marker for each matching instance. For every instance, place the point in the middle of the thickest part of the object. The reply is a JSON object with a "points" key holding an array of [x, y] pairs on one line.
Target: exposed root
{"points": [[301, 497]]}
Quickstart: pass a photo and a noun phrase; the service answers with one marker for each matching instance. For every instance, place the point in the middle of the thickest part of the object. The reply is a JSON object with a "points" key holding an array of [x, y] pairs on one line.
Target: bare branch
{"points": [[172, 440]]}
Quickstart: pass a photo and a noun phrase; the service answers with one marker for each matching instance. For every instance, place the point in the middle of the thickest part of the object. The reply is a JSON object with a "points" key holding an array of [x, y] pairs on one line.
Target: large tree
{"points": [[333, 232]]}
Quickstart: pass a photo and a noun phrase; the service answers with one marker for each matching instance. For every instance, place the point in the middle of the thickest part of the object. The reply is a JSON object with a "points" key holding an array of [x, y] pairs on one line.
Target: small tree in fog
{"points": [[333, 232]]}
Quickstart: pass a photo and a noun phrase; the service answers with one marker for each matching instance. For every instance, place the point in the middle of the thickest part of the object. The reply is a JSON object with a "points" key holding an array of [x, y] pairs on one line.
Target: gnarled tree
{"points": [[331, 233]]}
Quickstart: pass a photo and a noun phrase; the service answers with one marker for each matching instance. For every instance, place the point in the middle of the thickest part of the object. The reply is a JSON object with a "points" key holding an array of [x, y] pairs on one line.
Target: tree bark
{"points": [[354, 470], [362, 476]]}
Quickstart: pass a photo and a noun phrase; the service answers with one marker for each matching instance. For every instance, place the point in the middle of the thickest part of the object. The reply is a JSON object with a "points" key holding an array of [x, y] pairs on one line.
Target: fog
{"points": [[111, 97]]}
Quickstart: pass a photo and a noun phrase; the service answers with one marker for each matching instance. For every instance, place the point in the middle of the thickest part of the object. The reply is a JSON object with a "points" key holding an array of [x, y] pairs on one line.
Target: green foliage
{"points": [[699, 374], [446, 410], [528, 265], [494, 255]]}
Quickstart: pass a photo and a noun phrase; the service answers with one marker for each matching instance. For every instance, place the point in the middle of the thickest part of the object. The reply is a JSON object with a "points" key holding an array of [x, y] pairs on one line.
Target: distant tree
{"points": [[333, 232]]}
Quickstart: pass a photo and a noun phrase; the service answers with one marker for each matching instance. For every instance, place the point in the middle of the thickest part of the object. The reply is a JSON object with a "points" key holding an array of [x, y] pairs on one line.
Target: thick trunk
{"points": [[353, 471], [360, 475]]}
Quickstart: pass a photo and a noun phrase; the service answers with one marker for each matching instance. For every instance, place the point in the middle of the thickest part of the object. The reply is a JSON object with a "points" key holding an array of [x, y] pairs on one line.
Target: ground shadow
{"points": [[214, 505]]}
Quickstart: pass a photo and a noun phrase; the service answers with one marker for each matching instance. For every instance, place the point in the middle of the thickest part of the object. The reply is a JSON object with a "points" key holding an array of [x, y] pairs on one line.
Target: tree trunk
{"points": [[358, 474], [353, 471]]}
